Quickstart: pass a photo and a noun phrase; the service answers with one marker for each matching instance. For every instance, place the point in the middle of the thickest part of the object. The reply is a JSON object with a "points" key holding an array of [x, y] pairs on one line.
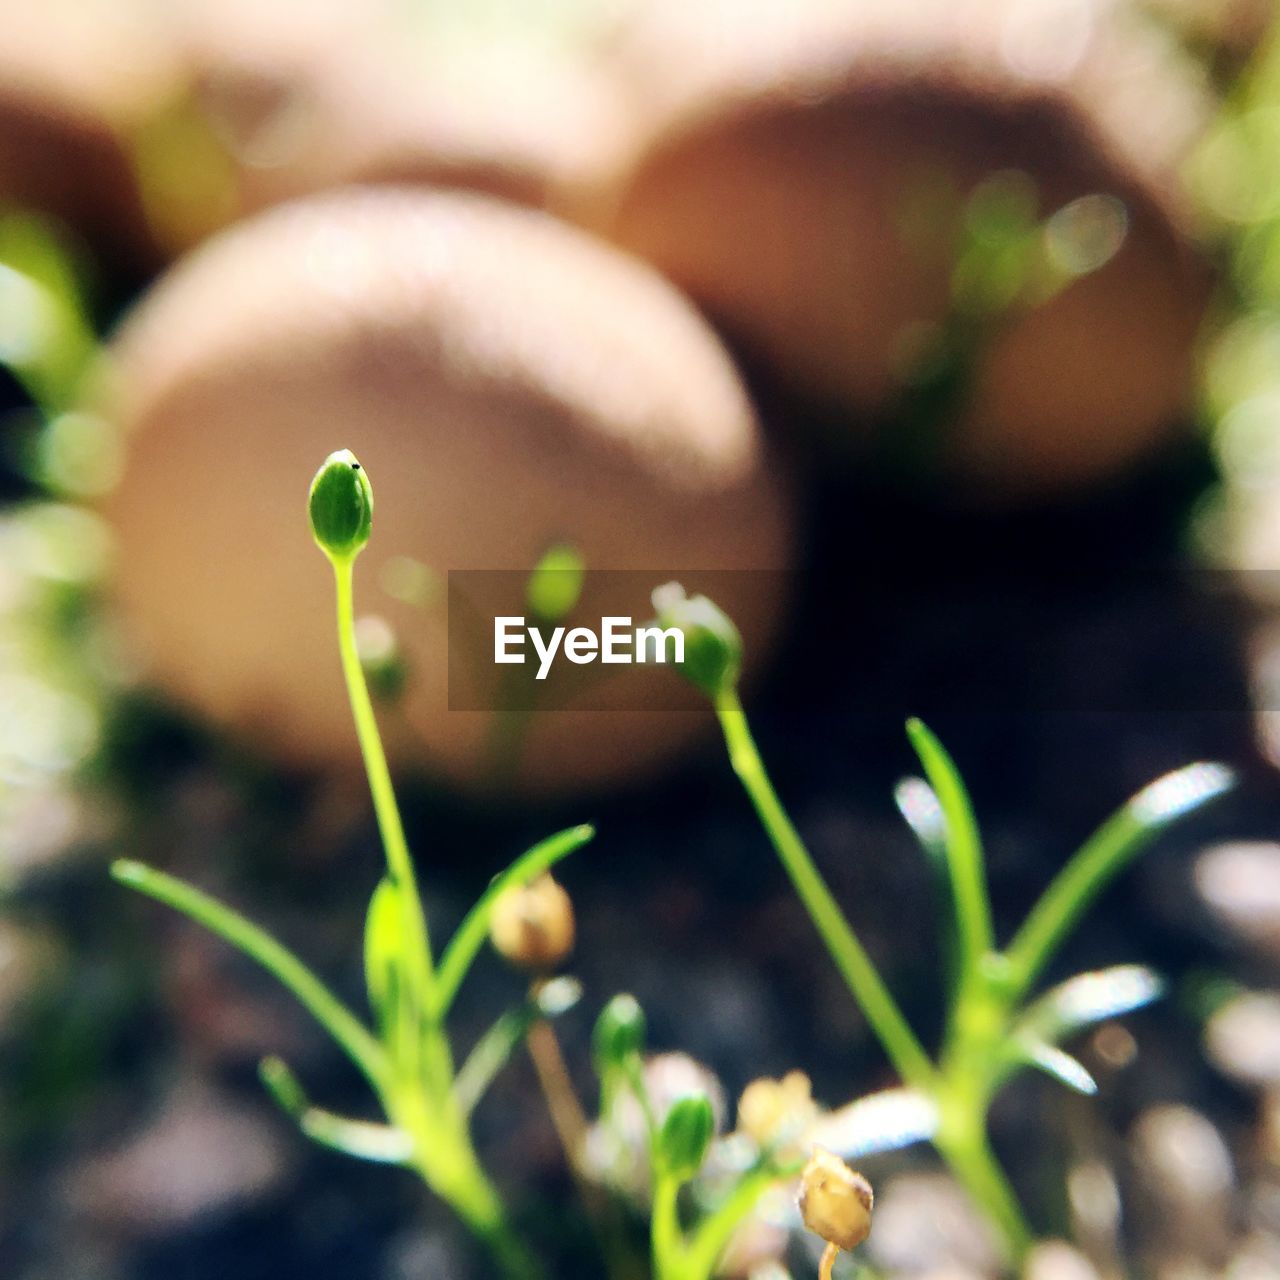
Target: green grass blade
{"points": [[474, 929], [286, 1090], [345, 1028], [1054, 1062], [861, 976], [878, 1122], [493, 1050], [1089, 998], [971, 901], [363, 1139], [378, 1143], [1103, 856], [382, 940]]}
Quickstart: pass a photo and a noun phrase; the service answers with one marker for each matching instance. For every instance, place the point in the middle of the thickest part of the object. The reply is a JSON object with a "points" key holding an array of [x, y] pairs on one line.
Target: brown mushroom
{"points": [[806, 178], [146, 128], [509, 383]]}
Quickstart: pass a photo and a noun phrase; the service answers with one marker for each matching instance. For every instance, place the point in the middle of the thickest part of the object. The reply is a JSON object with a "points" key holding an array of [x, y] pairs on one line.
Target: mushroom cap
{"points": [[508, 383], [804, 176]]}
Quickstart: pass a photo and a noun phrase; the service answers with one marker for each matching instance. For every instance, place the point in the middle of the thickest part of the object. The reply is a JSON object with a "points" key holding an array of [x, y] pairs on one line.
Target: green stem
{"points": [[868, 988], [667, 1238], [423, 1098], [446, 1161], [969, 1155], [712, 1235], [399, 862]]}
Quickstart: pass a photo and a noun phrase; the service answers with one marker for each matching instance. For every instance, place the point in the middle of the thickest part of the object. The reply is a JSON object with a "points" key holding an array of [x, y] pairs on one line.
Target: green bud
{"points": [[686, 1134], [555, 585], [341, 506], [712, 645], [619, 1034]]}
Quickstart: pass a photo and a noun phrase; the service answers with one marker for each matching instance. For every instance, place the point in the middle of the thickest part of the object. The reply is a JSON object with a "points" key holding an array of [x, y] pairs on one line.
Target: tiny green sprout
{"points": [[686, 1136], [341, 506], [406, 1054], [712, 645], [990, 1032], [619, 1034]]}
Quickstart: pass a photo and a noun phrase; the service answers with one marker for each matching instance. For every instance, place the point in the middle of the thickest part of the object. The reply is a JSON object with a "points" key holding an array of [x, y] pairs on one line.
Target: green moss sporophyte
{"points": [[712, 644], [340, 506]]}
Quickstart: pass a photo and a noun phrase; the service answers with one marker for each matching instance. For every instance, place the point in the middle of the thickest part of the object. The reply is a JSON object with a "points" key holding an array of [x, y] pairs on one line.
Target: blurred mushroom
{"points": [[292, 98], [147, 127], [818, 178], [509, 384], [74, 77]]}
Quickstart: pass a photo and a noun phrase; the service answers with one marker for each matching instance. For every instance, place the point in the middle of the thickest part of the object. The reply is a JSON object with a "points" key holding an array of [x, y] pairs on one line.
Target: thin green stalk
{"points": [[712, 1235], [667, 1238], [882, 1013], [399, 861], [965, 862], [423, 1097], [349, 1032], [969, 1155]]}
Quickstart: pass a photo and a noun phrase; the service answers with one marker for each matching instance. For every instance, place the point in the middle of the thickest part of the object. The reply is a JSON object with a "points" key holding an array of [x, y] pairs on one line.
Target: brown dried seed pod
{"points": [[805, 179], [835, 1201], [509, 383], [532, 924]]}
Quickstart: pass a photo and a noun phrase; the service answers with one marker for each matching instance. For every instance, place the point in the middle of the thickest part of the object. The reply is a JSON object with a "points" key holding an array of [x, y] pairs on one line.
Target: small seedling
{"points": [[992, 1029], [406, 1054], [679, 1144]]}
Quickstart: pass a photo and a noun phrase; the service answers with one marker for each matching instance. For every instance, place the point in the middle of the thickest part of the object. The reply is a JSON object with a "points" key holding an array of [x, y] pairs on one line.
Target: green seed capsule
{"points": [[712, 645], [341, 506], [686, 1135], [619, 1034]]}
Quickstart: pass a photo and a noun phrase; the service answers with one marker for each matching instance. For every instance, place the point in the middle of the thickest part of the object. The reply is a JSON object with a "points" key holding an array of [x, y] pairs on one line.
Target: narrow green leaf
{"points": [[382, 936], [494, 1049], [474, 929], [378, 1143], [1107, 852], [363, 1139], [1089, 998], [963, 846], [883, 1121], [1056, 1063], [345, 1028], [284, 1087]]}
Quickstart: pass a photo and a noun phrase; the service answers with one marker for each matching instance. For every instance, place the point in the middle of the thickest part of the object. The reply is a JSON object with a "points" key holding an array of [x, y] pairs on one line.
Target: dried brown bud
{"points": [[835, 1201], [532, 924], [777, 1113]]}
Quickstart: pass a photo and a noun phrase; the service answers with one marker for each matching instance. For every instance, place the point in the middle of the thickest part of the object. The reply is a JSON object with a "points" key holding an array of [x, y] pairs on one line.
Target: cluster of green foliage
{"points": [[993, 1029]]}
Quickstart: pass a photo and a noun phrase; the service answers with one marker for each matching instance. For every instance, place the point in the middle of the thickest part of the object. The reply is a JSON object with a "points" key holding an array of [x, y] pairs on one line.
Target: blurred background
{"points": [[942, 338]]}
